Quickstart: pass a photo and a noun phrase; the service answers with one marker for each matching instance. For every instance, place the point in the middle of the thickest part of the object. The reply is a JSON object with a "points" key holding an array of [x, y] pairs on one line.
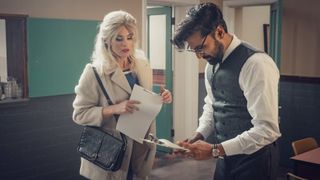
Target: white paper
{"points": [[136, 124], [166, 143]]}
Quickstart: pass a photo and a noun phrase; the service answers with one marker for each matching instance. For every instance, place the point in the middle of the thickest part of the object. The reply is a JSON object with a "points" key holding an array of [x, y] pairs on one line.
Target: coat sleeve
{"points": [[87, 110]]}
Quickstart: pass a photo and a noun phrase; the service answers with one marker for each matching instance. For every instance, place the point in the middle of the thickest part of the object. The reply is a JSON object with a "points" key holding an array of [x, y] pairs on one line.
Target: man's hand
{"points": [[200, 150], [197, 136]]}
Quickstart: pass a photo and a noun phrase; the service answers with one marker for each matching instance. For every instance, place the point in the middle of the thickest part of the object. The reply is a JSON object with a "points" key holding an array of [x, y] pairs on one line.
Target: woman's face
{"points": [[122, 44]]}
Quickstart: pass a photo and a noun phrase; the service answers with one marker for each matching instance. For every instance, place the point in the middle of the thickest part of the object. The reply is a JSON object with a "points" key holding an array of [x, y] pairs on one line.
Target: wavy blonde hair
{"points": [[102, 54]]}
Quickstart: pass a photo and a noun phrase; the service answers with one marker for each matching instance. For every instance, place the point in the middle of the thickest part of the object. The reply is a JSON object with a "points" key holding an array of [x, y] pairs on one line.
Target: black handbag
{"points": [[100, 147]]}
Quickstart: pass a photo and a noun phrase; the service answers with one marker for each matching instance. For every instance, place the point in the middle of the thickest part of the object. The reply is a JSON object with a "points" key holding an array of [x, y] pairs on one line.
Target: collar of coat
{"points": [[115, 73]]}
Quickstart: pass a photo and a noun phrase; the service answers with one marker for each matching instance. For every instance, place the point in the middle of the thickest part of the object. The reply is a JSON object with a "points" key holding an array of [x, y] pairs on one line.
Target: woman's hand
{"points": [[166, 95], [127, 106]]}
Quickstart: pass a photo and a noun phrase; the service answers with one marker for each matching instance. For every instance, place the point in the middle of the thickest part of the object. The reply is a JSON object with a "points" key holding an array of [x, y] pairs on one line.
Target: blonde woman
{"points": [[119, 67]]}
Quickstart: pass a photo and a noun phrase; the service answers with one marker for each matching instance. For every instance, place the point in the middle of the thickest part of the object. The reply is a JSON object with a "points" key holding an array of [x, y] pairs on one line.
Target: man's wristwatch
{"points": [[215, 151]]}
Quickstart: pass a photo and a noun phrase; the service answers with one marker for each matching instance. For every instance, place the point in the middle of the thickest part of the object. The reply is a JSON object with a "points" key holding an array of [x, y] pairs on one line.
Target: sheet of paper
{"points": [[136, 124], [166, 143]]}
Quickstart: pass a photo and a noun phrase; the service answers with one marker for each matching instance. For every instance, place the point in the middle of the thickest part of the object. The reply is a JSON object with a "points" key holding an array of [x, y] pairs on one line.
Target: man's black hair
{"points": [[205, 18]]}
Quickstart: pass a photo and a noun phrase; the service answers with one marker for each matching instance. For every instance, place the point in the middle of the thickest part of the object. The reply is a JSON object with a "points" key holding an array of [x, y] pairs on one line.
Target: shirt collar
{"points": [[234, 43]]}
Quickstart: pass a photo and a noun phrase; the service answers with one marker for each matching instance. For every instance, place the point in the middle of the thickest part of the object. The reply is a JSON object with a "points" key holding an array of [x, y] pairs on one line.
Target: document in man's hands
{"points": [[166, 143], [136, 124]]}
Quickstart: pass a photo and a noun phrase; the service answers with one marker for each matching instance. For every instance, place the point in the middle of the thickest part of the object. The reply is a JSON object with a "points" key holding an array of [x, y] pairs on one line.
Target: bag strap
{"points": [[101, 86], [103, 89], [107, 97]]}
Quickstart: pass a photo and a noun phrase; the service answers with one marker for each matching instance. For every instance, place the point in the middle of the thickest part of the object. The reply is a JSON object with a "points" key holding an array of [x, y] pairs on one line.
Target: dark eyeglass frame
{"points": [[199, 49]]}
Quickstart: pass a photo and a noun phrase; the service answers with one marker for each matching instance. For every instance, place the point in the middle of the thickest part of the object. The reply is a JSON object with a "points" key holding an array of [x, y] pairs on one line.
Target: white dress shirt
{"points": [[258, 79]]}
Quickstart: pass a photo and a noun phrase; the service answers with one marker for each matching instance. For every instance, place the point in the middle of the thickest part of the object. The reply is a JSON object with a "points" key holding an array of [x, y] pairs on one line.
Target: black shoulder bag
{"points": [[99, 147]]}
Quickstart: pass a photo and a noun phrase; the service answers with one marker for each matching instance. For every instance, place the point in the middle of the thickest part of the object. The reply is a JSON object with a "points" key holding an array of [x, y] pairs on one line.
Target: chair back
{"points": [[291, 176], [303, 145]]}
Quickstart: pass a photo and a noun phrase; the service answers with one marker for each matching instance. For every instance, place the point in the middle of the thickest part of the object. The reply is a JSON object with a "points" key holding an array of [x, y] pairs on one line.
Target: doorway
{"points": [[159, 24]]}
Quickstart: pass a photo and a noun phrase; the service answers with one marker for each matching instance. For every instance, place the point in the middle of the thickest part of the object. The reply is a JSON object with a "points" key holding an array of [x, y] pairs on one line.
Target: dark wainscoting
{"points": [[299, 113], [38, 139]]}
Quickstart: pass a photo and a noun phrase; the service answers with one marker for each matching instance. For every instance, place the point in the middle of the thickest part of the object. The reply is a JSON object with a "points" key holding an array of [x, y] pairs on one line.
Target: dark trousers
{"points": [[262, 165]]}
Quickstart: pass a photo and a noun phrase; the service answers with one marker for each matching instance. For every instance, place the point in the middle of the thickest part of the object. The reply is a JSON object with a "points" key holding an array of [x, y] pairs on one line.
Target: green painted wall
{"points": [[57, 52]]}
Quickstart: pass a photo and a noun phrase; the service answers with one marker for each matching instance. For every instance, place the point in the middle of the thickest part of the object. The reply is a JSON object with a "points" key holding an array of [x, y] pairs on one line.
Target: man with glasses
{"points": [[241, 106]]}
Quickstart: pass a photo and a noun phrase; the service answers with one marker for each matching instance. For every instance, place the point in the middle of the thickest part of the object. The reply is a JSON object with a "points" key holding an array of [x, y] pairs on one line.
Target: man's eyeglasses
{"points": [[199, 49]]}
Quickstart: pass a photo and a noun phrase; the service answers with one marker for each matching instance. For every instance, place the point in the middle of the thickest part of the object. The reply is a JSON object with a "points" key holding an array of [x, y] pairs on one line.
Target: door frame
{"points": [[164, 119]]}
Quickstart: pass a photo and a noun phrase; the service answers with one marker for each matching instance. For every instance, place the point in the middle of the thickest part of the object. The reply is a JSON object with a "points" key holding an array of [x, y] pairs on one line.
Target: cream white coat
{"points": [[88, 105]]}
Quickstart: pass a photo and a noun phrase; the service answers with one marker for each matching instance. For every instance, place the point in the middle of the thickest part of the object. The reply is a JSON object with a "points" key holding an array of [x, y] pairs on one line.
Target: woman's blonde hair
{"points": [[102, 53]]}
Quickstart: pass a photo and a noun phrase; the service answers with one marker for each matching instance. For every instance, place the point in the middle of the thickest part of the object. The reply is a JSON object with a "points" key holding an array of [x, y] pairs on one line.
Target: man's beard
{"points": [[217, 58]]}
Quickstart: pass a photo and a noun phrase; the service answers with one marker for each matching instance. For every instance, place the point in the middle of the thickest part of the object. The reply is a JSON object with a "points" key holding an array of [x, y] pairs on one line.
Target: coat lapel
{"points": [[144, 74], [119, 78], [112, 80]]}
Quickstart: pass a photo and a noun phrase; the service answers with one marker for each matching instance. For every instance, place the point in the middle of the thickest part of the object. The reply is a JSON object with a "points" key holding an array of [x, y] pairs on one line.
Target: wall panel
{"points": [[58, 52]]}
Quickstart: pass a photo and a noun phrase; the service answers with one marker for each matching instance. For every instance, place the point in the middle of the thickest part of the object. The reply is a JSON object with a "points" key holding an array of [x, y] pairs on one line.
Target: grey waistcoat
{"points": [[230, 114]]}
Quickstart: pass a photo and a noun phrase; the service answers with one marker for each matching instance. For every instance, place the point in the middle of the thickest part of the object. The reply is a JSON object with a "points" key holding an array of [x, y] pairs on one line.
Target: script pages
{"points": [[136, 124]]}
